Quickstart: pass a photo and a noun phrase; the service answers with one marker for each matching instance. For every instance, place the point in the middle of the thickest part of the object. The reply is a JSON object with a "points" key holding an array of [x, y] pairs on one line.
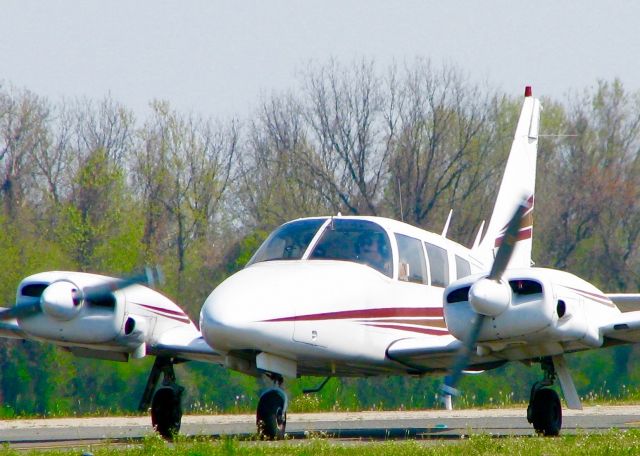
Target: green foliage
{"points": [[614, 442], [105, 195]]}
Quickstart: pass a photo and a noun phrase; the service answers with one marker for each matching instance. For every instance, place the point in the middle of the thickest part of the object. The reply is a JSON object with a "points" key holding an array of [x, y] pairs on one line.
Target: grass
{"points": [[615, 442]]}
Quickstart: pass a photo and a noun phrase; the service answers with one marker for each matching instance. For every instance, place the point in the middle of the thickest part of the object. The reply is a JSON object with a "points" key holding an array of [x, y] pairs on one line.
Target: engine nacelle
{"points": [[544, 306], [134, 334], [124, 321], [66, 317], [62, 300], [136, 326]]}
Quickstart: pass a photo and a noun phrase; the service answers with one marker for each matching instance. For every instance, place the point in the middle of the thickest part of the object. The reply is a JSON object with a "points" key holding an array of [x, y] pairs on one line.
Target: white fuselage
{"points": [[324, 311], [331, 316]]}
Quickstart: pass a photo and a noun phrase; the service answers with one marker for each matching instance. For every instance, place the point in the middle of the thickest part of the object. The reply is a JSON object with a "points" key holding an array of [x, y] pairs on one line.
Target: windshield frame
{"points": [[264, 247], [387, 262]]}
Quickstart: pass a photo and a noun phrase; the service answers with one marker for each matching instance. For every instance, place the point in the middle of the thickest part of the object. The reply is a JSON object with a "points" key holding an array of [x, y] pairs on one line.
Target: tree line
{"points": [[86, 186]]}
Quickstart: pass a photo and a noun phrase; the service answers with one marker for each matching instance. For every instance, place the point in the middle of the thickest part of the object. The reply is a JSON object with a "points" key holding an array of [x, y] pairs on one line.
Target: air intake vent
{"points": [[108, 301], [33, 290], [525, 287], [459, 295]]}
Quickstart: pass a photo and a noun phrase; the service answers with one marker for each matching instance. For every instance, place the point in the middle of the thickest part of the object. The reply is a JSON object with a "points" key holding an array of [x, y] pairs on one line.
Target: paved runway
{"points": [[359, 425]]}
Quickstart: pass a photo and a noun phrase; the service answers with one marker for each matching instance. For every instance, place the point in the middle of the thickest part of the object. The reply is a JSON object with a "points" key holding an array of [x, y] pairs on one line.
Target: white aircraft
{"points": [[351, 296]]}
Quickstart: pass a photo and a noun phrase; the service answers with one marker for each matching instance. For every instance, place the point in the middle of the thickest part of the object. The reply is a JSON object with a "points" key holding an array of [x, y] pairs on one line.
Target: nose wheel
{"points": [[271, 416], [544, 410], [166, 411], [166, 402]]}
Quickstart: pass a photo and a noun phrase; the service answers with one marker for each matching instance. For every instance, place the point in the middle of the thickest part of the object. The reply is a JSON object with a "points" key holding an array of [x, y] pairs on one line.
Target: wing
{"points": [[436, 355], [623, 329], [425, 353], [626, 302], [10, 329], [185, 344]]}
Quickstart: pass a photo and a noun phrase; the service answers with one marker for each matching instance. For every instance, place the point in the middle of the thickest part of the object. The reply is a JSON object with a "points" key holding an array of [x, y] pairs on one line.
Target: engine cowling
{"points": [[530, 305], [66, 317], [119, 321], [525, 312]]}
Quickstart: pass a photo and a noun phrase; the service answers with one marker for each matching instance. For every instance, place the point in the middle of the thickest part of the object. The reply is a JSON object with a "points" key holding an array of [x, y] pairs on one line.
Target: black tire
{"points": [[271, 417], [166, 411], [546, 412]]}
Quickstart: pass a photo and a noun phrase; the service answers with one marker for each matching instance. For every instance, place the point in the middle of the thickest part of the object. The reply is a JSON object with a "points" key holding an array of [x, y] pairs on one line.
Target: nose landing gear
{"points": [[166, 410], [271, 416], [166, 403], [544, 410]]}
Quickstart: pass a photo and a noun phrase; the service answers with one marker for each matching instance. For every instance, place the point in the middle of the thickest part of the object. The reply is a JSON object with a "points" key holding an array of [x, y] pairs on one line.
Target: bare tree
{"points": [[591, 222], [184, 168], [54, 163], [348, 152], [275, 185], [444, 139], [23, 131]]}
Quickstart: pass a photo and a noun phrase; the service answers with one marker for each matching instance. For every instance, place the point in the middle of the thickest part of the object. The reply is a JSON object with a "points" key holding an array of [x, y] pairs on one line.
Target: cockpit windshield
{"points": [[360, 241], [289, 242]]}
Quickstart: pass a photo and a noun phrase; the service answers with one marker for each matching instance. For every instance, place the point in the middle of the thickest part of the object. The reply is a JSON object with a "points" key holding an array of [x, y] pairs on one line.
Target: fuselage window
{"points": [[463, 268], [289, 242], [438, 264], [360, 241], [412, 267]]}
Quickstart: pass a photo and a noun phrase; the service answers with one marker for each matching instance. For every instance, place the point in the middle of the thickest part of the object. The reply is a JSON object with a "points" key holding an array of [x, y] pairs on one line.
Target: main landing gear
{"points": [[166, 403], [271, 416], [544, 410]]}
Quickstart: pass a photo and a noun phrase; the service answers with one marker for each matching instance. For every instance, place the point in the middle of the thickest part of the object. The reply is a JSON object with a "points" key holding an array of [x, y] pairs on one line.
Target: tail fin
{"points": [[518, 183]]}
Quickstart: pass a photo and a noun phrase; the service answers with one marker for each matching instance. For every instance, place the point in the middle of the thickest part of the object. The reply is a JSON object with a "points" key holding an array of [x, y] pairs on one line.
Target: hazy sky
{"points": [[217, 58]]}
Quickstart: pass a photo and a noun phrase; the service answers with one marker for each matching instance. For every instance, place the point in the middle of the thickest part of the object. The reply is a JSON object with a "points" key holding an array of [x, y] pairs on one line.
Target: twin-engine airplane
{"points": [[351, 296]]}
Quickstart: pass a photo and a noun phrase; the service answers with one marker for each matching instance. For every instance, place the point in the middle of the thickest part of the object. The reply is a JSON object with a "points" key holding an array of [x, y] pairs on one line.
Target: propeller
{"points": [[63, 299], [489, 296], [151, 277]]}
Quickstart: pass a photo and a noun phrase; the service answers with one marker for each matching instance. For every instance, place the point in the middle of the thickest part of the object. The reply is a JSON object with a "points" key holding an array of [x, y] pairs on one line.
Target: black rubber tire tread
{"points": [[166, 412], [546, 412], [270, 418]]}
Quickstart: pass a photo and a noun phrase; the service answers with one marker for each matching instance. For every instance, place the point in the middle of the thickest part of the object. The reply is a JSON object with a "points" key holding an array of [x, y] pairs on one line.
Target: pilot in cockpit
{"points": [[372, 252]]}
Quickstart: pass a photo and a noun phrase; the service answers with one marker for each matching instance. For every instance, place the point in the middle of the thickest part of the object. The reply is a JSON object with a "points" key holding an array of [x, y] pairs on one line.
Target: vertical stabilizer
{"points": [[518, 184]]}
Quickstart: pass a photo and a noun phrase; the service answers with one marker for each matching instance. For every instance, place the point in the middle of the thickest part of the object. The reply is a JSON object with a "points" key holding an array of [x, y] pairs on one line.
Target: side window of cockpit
{"points": [[360, 241], [289, 242], [412, 267], [463, 268], [438, 264]]}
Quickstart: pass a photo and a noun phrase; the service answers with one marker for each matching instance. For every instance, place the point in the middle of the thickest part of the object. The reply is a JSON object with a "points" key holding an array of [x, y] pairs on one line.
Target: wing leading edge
{"points": [[626, 302]]}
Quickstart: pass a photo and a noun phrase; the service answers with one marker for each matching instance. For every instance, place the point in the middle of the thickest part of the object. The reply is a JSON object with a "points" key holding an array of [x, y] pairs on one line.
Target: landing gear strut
{"points": [[544, 410], [271, 416], [166, 405]]}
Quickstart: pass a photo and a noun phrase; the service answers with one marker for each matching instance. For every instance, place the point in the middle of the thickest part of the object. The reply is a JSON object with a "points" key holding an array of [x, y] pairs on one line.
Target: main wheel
{"points": [[546, 412], [166, 411], [271, 417]]}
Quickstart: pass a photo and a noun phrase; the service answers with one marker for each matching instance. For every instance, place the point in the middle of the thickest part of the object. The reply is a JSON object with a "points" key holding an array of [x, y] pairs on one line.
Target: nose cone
{"points": [[235, 315]]}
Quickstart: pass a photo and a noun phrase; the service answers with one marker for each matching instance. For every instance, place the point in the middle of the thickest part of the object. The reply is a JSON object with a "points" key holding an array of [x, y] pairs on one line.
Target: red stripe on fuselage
{"points": [[167, 313], [602, 299], [433, 332], [162, 309], [366, 313], [171, 317]]}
